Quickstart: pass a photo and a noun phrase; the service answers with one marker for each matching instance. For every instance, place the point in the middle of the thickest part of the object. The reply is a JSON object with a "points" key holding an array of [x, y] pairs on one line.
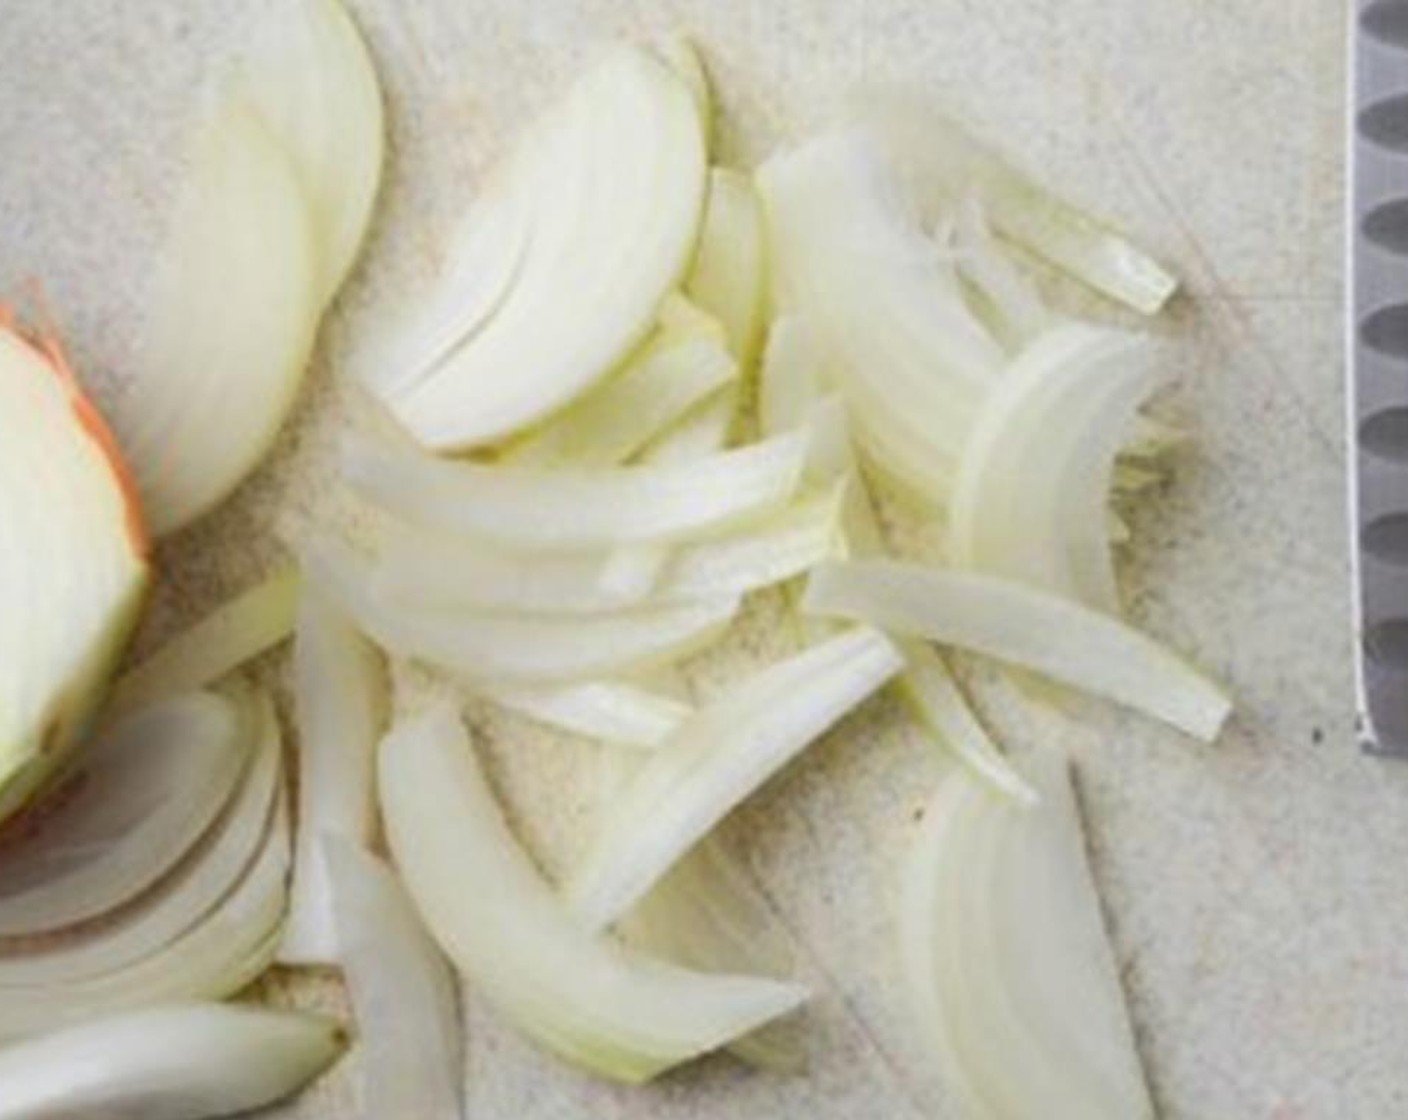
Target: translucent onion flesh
{"points": [[341, 698], [173, 905], [728, 749], [728, 275], [137, 800], [525, 508], [180, 1061], [402, 991], [1023, 626], [310, 78], [1006, 960], [613, 711], [224, 951], [680, 365], [233, 313], [237, 631], [849, 256], [595, 1003], [433, 570], [942, 162], [587, 225], [1031, 501], [517, 647]]}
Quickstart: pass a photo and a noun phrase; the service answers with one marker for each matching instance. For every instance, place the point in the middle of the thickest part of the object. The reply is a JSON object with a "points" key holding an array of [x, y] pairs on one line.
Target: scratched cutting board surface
{"points": [[1258, 888]]}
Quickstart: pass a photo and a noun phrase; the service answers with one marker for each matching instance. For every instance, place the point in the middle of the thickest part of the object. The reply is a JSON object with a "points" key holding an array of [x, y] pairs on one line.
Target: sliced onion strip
{"points": [[1006, 960], [595, 1003], [175, 1062], [718, 758], [342, 700], [520, 648], [401, 988], [559, 510], [138, 800], [237, 631], [1033, 629]]}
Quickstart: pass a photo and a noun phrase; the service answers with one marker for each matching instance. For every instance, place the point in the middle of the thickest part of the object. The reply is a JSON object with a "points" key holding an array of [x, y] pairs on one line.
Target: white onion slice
{"points": [[237, 631], [849, 256], [789, 388], [1033, 629], [703, 431], [341, 702], [586, 227], [178, 1062], [1006, 959], [614, 711], [593, 1002], [228, 948], [560, 510], [1008, 302], [679, 366], [791, 380], [516, 647], [1031, 501], [933, 696], [401, 988], [728, 749], [179, 901], [426, 570], [942, 162], [707, 913], [232, 319], [137, 801], [310, 78], [728, 275]]}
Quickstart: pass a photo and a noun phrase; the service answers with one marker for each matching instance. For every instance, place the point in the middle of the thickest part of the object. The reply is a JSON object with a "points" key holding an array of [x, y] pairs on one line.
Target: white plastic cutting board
{"points": [[1258, 888]]}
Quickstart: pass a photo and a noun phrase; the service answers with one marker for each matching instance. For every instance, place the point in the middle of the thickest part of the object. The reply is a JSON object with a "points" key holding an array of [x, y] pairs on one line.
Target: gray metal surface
{"points": [[1378, 382]]}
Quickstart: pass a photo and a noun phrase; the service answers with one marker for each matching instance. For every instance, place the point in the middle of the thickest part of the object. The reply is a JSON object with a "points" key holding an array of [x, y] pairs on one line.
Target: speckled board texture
{"points": [[1257, 888]]}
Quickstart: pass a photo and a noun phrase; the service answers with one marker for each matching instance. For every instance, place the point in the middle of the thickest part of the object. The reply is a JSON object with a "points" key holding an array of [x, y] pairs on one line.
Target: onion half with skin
{"points": [[596, 1004], [1006, 961], [588, 225], [728, 749], [74, 566], [401, 988], [341, 697], [182, 1061], [1033, 629]]}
